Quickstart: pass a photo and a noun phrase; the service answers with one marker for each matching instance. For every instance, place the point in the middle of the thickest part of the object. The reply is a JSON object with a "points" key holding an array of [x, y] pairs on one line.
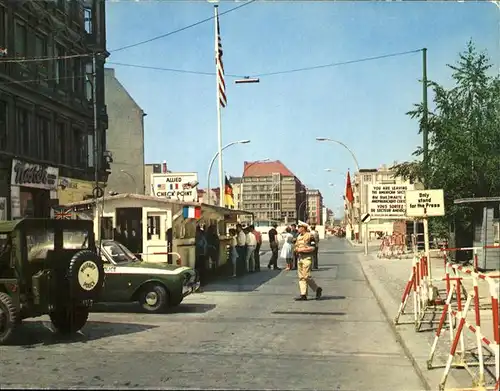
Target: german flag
{"points": [[228, 195]]}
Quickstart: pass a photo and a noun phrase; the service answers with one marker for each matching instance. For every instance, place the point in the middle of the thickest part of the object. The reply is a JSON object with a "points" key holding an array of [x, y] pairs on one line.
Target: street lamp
{"points": [[247, 80], [213, 161], [131, 177], [360, 187]]}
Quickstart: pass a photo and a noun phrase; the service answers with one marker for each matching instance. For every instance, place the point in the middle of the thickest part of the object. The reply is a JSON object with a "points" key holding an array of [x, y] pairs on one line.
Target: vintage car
{"points": [[48, 267], [156, 286]]}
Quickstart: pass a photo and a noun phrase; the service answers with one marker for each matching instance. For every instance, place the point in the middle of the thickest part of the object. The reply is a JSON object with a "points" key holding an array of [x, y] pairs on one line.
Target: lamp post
{"points": [[212, 163], [131, 177], [361, 192], [289, 198], [300, 206]]}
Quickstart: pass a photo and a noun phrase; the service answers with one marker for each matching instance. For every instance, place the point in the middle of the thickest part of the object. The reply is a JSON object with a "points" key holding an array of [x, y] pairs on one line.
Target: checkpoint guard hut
{"points": [[153, 226], [485, 231]]}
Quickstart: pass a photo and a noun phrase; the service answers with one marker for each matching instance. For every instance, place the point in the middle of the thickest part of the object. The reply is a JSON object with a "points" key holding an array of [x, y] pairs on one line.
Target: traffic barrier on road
{"points": [[419, 286], [455, 315], [178, 260], [392, 246]]}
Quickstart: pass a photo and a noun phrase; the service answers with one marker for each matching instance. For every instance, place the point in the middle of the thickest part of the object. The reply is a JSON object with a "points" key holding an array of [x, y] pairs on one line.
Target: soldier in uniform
{"points": [[305, 247]]}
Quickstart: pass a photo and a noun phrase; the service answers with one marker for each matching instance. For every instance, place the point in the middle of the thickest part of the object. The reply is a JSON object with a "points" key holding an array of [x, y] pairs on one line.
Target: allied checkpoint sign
{"points": [[175, 186], [425, 203], [387, 201]]}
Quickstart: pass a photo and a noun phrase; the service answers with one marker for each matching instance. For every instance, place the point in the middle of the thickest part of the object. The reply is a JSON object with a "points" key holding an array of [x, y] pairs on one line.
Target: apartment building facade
{"points": [[46, 106], [314, 206], [272, 193]]}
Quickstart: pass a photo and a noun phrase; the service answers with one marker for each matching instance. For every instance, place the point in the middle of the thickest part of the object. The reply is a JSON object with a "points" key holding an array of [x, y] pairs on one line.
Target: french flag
{"points": [[191, 212], [174, 186]]}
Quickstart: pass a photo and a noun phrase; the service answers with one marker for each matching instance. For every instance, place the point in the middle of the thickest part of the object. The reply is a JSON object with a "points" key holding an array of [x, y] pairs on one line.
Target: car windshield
{"points": [[118, 252]]}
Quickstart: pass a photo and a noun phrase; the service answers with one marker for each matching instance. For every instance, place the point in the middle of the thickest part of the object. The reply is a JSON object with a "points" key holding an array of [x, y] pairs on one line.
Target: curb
{"points": [[397, 335], [406, 338]]}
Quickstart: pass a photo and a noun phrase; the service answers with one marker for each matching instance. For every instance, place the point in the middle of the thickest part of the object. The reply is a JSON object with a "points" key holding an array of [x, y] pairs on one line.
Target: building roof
{"points": [[235, 180], [251, 169]]}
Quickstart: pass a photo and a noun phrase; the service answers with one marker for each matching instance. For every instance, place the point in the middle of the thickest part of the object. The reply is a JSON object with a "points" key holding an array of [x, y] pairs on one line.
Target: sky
{"points": [[361, 104]]}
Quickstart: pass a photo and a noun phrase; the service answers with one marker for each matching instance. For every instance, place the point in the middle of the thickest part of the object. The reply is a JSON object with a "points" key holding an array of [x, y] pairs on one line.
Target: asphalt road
{"points": [[247, 333]]}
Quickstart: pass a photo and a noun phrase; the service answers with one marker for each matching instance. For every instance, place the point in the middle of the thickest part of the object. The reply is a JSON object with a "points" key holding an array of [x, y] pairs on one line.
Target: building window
{"points": [[80, 147], [367, 178], [77, 76], [3, 126], [3, 34], [60, 73], [22, 131], [41, 52], [43, 130], [61, 142], [87, 17], [90, 150], [20, 39]]}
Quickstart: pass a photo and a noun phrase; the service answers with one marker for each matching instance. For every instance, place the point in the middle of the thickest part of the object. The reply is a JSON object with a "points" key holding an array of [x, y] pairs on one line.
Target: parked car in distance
{"points": [[156, 286]]}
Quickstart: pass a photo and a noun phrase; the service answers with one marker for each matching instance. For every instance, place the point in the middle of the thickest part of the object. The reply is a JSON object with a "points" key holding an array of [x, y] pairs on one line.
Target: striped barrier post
{"points": [[458, 323]]}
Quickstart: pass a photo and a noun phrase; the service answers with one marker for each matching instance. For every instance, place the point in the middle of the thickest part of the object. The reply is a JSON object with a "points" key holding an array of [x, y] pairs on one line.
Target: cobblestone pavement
{"points": [[244, 333]]}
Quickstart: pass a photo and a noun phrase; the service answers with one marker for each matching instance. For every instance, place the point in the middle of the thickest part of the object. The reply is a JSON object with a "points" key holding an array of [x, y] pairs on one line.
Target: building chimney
{"points": [[164, 167]]}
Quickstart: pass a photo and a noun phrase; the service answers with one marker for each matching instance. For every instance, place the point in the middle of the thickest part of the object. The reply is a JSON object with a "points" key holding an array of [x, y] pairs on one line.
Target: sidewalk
{"points": [[387, 279]]}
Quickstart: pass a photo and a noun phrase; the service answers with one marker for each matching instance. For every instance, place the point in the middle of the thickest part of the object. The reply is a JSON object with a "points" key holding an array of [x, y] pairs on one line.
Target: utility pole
{"points": [[96, 150], [425, 123]]}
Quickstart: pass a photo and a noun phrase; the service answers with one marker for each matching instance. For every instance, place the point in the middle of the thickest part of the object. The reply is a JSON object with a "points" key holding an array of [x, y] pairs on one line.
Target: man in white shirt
{"points": [[240, 249], [251, 242]]}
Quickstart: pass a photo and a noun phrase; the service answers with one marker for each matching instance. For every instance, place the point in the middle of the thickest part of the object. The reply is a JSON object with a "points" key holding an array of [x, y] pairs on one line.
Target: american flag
{"points": [[161, 186], [61, 213], [220, 66]]}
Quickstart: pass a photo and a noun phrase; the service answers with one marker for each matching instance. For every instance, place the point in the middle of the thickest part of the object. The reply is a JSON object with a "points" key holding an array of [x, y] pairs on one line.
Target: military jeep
{"points": [[49, 267]]}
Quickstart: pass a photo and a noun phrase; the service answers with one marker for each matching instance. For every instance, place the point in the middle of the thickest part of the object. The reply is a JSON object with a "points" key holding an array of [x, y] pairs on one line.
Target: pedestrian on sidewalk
{"points": [[258, 236], [240, 249], [287, 249], [315, 253], [233, 251], [273, 243], [304, 247], [251, 242], [295, 234]]}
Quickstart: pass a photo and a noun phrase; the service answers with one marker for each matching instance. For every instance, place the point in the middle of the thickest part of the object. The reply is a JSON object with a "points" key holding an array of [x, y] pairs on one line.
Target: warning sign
{"points": [[420, 203], [387, 201]]}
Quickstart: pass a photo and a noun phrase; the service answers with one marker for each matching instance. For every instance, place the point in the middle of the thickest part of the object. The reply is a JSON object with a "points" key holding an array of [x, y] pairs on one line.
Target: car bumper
{"points": [[192, 285]]}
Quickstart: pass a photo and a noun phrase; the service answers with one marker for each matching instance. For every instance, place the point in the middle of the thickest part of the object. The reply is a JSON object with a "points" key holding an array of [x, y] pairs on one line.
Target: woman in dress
{"points": [[287, 249]]}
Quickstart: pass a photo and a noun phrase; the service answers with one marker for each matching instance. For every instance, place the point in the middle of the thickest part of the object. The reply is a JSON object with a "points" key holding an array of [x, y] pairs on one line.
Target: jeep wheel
{"points": [[86, 275], [8, 318], [153, 298], [69, 321]]}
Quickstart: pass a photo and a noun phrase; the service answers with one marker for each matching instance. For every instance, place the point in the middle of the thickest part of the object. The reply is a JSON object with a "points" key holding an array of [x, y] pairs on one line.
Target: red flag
{"points": [[348, 189]]}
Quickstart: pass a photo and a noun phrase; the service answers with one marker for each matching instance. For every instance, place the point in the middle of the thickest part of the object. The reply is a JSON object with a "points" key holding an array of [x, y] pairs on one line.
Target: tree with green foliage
{"points": [[464, 137]]}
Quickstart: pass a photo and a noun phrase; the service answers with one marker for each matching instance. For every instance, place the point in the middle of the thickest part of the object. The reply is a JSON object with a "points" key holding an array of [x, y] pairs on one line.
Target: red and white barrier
{"points": [[420, 288], [455, 314], [178, 260]]}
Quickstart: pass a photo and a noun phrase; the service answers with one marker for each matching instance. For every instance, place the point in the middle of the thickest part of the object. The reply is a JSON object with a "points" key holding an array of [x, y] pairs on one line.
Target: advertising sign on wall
{"points": [[34, 175], [180, 186], [387, 201]]}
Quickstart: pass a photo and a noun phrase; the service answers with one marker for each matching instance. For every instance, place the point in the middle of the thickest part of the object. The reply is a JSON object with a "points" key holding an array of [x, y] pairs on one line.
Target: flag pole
{"points": [[219, 126]]}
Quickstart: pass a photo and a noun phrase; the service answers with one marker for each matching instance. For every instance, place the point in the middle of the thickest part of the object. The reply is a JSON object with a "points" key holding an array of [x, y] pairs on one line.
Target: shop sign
{"points": [[34, 175]]}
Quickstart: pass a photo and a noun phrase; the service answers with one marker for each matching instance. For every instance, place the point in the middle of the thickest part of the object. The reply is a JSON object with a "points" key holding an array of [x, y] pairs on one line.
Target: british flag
{"points": [[61, 213]]}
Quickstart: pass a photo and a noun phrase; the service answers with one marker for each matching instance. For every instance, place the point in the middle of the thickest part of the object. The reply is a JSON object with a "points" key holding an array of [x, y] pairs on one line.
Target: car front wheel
{"points": [[153, 298], [8, 318]]}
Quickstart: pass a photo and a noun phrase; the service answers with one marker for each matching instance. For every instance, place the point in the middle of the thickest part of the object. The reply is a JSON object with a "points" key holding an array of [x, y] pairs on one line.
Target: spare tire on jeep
{"points": [[85, 275]]}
